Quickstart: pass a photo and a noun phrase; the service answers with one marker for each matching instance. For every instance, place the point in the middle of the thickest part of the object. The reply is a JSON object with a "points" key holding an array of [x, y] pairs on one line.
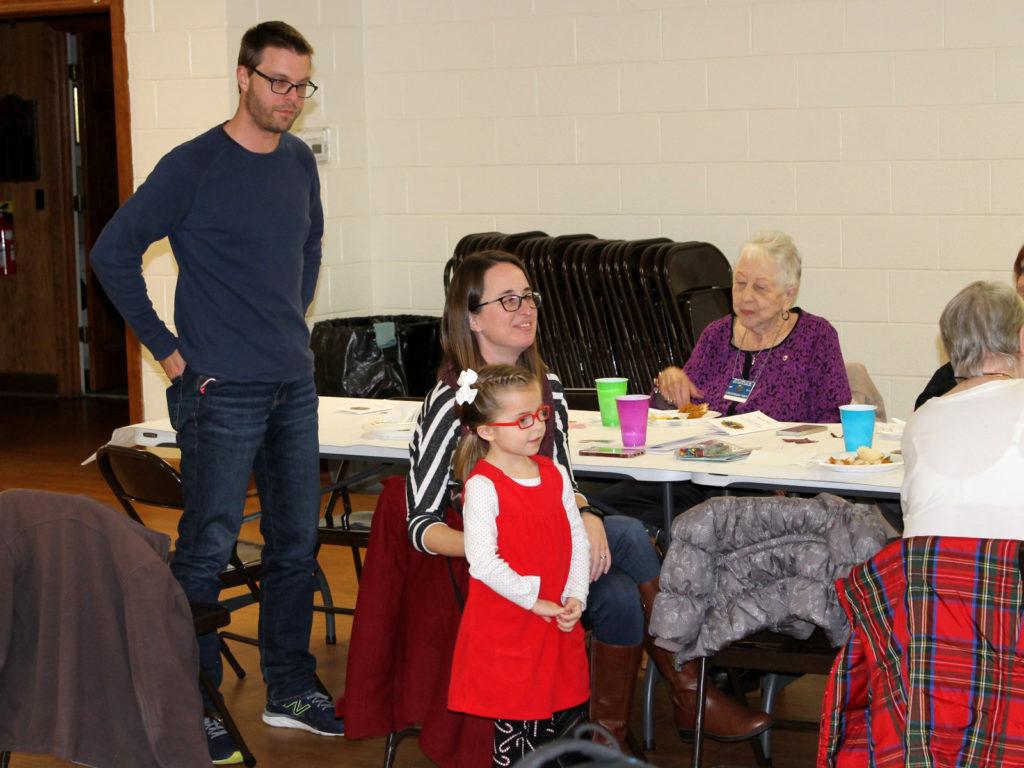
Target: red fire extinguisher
{"points": [[7, 266]]}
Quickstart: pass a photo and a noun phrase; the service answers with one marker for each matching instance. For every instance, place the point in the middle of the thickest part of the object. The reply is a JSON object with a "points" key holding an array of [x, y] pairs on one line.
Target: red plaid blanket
{"points": [[933, 673]]}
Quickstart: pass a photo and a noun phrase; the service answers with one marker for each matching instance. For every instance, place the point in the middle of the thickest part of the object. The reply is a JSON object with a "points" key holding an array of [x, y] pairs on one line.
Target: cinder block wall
{"points": [[882, 134]]}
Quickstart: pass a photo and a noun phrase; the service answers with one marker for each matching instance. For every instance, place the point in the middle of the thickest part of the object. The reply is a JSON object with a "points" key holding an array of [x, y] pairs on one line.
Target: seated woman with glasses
{"points": [[767, 356], [491, 317]]}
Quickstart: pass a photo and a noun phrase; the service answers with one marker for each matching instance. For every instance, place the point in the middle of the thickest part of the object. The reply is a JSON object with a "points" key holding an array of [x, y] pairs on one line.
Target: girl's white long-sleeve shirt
{"points": [[480, 520]]}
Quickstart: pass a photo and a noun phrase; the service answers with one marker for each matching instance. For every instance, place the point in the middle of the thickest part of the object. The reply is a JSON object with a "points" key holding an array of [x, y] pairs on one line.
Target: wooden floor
{"points": [[42, 443]]}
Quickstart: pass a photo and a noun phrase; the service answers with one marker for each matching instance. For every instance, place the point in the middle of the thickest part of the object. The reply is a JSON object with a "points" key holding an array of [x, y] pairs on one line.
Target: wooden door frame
{"points": [[122, 127]]}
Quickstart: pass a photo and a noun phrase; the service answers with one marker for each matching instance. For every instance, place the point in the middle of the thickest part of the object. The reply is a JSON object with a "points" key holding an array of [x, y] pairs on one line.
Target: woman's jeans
{"points": [[613, 606], [227, 430]]}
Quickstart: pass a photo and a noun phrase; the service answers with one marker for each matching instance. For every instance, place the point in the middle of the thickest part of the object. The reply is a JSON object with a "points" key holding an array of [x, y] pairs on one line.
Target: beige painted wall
{"points": [[882, 134]]}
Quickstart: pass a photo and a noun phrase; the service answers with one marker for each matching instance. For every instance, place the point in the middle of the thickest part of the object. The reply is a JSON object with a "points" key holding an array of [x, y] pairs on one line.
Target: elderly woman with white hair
{"points": [[964, 451], [769, 355]]}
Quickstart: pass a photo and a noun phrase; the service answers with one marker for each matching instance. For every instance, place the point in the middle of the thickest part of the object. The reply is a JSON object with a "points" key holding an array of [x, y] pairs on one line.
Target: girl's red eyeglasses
{"points": [[525, 421]]}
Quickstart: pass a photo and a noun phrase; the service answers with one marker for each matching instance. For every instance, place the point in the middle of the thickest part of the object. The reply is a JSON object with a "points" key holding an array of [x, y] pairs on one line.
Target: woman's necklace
{"points": [[997, 374], [740, 389]]}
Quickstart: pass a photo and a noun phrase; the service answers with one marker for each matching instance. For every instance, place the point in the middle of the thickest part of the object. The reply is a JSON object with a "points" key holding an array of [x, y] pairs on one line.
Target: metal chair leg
{"points": [[698, 726], [357, 561], [229, 723], [239, 670], [5, 759], [771, 684], [327, 600], [651, 678], [394, 739]]}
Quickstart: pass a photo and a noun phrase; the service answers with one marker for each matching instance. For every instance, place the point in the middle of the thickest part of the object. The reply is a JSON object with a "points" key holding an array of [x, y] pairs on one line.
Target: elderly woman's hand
{"points": [[676, 387]]}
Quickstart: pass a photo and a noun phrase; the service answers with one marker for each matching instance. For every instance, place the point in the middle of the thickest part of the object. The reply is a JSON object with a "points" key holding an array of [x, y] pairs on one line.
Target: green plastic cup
{"points": [[607, 390]]}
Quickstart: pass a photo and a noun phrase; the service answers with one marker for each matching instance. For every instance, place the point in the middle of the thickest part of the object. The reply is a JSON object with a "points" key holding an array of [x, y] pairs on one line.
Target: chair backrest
{"points": [[94, 620], [701, 307], [864, 390], [581, 398], [140, 476]]}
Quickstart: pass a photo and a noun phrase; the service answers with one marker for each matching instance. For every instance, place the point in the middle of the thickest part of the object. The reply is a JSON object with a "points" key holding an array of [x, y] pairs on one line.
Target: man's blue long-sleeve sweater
{"points": [[245, 229]]}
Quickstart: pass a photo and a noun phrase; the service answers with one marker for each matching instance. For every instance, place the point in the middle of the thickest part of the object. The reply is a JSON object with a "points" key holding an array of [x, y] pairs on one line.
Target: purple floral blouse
{"points": [[803, 378]]}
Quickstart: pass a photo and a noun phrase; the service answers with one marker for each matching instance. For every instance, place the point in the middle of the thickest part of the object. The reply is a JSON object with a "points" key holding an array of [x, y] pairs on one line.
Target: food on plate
{"points": [[713, 450], [864, 456], [694, 410]]}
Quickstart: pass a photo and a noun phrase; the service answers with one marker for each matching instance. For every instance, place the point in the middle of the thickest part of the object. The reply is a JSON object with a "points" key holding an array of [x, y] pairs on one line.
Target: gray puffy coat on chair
{"points": [[740, 565]]}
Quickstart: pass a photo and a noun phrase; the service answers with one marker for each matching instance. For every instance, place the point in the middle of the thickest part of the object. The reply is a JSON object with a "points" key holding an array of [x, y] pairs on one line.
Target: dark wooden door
{"points": [[106, 339], [38, 305]]}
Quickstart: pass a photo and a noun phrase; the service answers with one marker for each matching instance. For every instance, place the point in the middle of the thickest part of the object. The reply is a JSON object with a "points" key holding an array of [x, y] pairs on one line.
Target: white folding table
{"points": [[346, 432]]}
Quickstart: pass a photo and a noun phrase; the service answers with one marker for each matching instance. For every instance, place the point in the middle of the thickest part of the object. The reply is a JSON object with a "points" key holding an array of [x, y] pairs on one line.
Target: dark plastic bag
{"points": [[379, 356]]}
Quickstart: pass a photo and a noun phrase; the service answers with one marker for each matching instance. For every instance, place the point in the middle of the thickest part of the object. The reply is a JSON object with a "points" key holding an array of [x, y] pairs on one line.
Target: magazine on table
{"points": [[744, 424]]}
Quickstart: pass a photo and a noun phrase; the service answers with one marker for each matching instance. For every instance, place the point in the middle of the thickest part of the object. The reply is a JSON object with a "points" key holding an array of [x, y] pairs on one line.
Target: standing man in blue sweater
{"points": [[241, 206]]}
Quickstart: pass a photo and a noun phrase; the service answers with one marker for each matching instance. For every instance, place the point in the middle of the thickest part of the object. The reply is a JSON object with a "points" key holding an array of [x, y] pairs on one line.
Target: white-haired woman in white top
{"points": [[964, 451]]}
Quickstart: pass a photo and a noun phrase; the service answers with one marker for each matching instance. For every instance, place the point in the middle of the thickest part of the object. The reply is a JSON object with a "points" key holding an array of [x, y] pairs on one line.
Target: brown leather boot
{"points": [[724, 718], [613, 673]]}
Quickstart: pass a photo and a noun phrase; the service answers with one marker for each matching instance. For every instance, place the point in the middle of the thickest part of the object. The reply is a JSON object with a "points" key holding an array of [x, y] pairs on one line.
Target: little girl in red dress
{"points": [[519, 657]]}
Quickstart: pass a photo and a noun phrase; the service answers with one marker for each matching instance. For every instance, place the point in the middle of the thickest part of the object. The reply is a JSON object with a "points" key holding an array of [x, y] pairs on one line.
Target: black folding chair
{"points": [[509, 243], [628, 330], [783, 658], [567, 327], [140, 477], [701, 307], [351, 529], [600, 306]]}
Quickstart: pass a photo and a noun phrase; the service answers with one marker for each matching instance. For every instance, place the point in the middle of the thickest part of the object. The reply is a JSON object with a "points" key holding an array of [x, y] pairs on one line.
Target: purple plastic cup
{"points": [[633, 419]]}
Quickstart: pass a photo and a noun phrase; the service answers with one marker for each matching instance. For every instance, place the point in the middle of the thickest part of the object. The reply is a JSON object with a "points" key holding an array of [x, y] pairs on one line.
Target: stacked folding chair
{"points": [[615, 307]]}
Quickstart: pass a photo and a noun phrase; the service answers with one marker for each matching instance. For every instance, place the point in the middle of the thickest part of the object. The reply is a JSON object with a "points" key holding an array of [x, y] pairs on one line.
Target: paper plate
{"points": [[823, 461], [391, 431], [673, 418]]}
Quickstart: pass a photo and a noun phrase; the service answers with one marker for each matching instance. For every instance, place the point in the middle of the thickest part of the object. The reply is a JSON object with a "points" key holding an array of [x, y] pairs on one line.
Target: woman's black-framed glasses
{"points": [[512, 302], [281, 87], [527, 420]]}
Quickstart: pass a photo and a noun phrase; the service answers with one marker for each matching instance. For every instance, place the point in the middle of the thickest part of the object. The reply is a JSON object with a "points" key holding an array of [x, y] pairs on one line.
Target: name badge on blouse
{"points": [[739, 390]]}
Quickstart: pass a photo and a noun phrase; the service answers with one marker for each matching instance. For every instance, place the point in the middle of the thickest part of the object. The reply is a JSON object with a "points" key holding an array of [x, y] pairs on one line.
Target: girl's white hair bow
{"points": [[465, 393]]}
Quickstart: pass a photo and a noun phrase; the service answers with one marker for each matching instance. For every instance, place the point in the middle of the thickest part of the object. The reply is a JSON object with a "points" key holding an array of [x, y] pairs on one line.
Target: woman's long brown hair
{"points": [[492, 382], [458, 341]]}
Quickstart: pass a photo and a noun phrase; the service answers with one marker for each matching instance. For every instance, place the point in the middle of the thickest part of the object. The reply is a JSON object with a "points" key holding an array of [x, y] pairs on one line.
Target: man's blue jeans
{"points": [[227, 430]]}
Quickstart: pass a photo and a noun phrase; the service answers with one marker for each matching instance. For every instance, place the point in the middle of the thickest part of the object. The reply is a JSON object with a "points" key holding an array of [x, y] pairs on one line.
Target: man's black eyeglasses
{"points": [[513, 302], [281, 87]]}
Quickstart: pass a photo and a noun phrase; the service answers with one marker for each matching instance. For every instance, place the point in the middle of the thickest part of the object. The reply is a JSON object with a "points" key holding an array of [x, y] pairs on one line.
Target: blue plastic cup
{"points": [[858, 425]]}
